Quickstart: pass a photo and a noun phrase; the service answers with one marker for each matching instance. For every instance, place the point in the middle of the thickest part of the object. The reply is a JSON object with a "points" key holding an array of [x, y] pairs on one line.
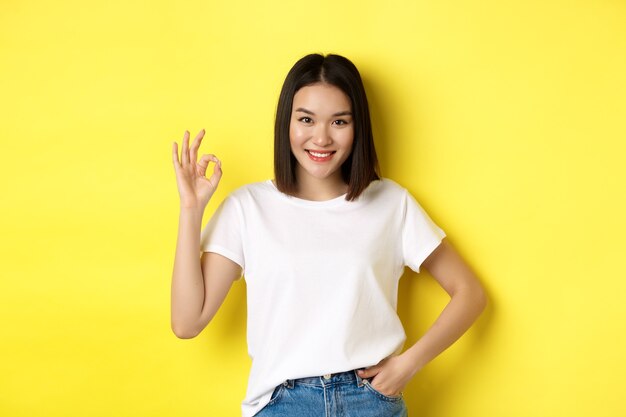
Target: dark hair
{"points": [[361, 166]]}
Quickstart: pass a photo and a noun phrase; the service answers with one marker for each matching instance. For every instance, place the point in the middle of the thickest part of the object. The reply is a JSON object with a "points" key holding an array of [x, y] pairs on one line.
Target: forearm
{"points": [[456, 318], [187, 279]]}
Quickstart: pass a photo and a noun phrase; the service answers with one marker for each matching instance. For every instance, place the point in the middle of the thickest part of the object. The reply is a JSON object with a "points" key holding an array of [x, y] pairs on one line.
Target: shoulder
{"points": [[387, 188], [250, 189], [251, 194], [390, 184]]}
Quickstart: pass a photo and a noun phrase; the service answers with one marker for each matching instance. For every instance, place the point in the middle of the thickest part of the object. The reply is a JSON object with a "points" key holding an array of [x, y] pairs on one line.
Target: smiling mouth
{"points": [[320, 156]]}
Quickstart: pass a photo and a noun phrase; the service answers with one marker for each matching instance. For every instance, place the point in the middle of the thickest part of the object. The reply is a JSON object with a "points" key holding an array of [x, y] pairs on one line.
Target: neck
{"points": [[320, 189]]}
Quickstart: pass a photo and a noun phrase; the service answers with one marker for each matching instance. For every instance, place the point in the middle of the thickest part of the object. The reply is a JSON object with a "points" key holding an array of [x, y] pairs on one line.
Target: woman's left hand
{"points": [[391, 375]]}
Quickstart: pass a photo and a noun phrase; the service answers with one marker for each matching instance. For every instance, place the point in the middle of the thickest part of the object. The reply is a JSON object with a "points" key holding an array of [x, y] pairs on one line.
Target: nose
{"points": [[322, 137]]}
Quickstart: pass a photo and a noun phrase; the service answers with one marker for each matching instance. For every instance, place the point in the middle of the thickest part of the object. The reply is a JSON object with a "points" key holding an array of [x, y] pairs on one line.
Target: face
{"points": [[321, 130]]}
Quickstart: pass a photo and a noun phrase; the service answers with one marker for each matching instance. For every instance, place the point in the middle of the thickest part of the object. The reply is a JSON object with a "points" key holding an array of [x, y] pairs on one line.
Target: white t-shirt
{"points": [[321, 277]]}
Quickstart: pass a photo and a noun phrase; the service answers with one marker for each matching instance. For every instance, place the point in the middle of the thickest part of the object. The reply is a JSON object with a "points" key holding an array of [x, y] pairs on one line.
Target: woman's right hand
{"points": [[194, 188]]}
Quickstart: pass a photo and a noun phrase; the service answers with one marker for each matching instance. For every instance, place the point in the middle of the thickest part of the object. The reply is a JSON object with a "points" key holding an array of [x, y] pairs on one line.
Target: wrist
{"points": [[191, 210], [415, 361], [193, 204]]}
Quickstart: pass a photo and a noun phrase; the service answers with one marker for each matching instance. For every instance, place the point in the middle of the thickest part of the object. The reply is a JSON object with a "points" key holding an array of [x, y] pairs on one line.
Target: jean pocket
{"points": [[276, 394], [369, 386]]}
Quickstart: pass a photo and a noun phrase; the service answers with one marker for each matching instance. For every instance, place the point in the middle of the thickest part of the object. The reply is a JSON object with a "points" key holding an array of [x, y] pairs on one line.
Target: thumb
{"points": [[368, 372]]}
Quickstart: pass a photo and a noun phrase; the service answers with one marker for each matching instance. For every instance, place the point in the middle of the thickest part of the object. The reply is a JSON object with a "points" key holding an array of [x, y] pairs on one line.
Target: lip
{"points": [[317, 158]]}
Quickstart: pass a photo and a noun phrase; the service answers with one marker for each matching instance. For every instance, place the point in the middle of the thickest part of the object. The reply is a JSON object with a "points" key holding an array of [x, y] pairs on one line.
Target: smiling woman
{"points": [[321, 133], [329, 87], [322, 248]]}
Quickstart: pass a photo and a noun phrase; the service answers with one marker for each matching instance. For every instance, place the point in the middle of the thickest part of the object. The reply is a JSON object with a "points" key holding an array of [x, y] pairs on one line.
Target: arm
{"points": [[467, 302], [199, 286]]}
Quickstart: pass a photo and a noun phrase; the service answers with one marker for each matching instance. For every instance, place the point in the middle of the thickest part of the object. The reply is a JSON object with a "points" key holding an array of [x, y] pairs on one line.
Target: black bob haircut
{"points": [[361, 167]]}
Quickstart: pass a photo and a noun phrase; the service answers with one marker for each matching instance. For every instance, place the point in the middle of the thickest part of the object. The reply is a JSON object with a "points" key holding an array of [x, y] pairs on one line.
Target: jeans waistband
{"points": [[328, 379]]}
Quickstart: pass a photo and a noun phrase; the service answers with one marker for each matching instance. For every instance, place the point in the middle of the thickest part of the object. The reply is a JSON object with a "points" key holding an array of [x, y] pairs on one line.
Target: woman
{"points": [[323, 247]]}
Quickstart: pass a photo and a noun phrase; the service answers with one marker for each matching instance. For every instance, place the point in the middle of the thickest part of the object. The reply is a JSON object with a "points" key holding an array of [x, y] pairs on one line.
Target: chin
{"points": [[321, 175]]}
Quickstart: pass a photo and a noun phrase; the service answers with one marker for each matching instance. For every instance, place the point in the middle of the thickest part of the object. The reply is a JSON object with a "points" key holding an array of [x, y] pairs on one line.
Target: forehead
{"points": [[321, 98]]}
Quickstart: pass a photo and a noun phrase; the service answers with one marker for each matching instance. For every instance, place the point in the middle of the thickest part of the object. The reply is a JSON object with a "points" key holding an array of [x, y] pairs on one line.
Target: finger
{"points": [[368, 372], [217, 174], [175, 155], [193, 155], [184, 152], [203, 163]]}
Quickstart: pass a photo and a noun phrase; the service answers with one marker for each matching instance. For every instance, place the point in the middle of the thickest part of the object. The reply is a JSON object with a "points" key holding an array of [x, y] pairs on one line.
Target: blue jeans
{"points": [[345, 394]]}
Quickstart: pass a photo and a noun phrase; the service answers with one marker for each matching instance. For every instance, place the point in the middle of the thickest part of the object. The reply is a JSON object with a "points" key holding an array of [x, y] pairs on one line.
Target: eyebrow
{"points": [[341, 113]]}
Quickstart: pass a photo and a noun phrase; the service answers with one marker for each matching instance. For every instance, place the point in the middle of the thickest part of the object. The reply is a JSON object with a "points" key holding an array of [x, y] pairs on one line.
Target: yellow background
{"points": [[506, 120]]}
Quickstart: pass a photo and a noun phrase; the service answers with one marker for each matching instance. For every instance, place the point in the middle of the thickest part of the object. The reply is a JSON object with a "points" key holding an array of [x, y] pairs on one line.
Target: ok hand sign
{"points": [[194, 188]]}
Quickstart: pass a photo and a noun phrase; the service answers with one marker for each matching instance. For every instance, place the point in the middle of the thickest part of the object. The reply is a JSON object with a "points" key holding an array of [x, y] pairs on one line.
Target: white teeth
{"points": [[319, 155]]}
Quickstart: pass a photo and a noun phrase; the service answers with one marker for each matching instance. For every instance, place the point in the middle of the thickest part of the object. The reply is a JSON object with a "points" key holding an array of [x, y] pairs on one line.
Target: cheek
{"points": [[295, 132], [291, 136], [297, 136], [347, 137]]}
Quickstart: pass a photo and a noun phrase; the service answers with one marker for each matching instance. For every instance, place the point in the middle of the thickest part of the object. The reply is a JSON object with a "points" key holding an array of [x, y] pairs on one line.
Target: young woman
{"points": [[323, 247]]}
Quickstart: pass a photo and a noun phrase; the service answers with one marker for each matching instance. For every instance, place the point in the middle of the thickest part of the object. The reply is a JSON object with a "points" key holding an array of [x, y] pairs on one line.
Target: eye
{"points": [[340, 122], [305, 119]]}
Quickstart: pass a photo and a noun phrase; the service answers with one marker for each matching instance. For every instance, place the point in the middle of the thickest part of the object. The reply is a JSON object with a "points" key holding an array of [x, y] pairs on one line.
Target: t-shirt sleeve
{"points": [[222, 234], [420, 235]]}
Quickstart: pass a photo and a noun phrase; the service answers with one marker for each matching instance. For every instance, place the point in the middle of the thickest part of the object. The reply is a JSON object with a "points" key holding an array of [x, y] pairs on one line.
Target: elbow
{"points": [[184, 332], [185, 327], [185, 335], [481, 299], [476, 296]]}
